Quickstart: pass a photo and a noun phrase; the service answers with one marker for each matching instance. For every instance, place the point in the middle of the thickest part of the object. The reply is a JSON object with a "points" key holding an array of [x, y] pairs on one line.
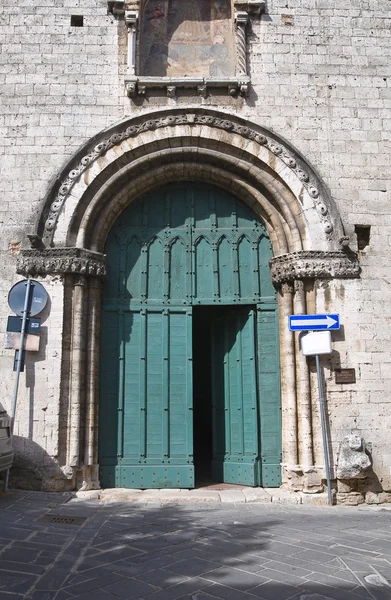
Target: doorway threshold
{"points": [[230, 494]]}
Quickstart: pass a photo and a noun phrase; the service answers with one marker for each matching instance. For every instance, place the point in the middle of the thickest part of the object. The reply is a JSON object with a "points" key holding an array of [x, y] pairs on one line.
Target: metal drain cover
{"points": [[61, 519]]}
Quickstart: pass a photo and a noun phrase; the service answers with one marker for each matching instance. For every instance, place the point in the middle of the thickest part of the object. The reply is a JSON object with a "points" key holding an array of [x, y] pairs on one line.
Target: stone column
{"points": [[303, 386], [91, 468], [288, 380], [241, 20], [131, 20], [82, 270], [78, 369]]}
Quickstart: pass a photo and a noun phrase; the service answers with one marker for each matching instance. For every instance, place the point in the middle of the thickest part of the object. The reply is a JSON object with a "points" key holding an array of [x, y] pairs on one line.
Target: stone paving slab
{"points": [[158, 550]]}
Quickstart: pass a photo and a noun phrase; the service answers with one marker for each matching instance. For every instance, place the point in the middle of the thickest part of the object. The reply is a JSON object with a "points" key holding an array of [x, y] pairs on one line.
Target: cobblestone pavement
{"points": [[209, 551]]}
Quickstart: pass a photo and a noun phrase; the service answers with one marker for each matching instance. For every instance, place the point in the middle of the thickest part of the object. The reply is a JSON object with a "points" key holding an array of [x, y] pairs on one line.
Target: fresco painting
{"points": [[187, 38]]}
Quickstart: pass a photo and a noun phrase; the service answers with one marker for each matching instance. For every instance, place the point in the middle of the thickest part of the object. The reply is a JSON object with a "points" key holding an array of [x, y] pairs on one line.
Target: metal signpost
{"points": [[27, 299], [317, 342]]}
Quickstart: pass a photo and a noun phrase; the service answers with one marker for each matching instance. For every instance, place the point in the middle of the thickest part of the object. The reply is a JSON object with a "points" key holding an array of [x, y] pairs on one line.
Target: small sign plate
{"points": [[12, 341], [316, 342], [313, 322], [33, 326], [345, 375]]}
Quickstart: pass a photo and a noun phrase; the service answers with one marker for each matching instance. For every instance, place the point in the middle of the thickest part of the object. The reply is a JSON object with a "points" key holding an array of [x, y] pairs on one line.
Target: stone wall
{"points": [[321, 74]]}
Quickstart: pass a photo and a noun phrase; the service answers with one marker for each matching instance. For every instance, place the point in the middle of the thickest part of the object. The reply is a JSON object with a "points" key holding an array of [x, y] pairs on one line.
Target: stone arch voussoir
{"points": [[287, 182]]}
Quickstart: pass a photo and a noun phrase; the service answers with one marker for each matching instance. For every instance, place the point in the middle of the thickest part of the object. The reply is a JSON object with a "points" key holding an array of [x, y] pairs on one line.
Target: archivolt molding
{"points": [[288, 268], [133, 181], [265, 146]]}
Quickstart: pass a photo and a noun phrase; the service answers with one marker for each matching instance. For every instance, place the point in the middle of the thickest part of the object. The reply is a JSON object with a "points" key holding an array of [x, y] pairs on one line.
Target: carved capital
{"points": [[314, 265], [116, 8], [253, 7], [131, 18], [287, 288], [299, 286], [61, 261], [241, 18]]}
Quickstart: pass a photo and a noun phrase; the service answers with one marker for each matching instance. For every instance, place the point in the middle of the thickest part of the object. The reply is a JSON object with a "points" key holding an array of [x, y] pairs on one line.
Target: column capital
{"points": [[61, 261], [131, 17], [253, 7], [314, 264]]}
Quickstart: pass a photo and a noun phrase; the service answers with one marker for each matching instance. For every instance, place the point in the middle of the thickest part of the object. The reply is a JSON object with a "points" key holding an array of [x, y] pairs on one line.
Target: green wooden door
{"points": [[235, 399], [268, 370], [146, 422], [183, 245]]}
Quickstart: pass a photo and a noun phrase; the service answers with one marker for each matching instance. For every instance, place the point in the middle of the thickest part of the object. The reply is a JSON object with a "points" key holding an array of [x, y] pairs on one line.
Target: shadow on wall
{"points": [[34, 469]]}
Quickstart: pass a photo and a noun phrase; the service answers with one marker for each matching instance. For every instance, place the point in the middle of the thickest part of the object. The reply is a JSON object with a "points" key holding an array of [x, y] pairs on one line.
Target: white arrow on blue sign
{"points": [[313, 322]]}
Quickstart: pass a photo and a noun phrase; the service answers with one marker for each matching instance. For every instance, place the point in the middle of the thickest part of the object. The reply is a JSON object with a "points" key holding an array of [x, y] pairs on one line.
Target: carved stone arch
{"points": [[231, 142], [128, 160]]}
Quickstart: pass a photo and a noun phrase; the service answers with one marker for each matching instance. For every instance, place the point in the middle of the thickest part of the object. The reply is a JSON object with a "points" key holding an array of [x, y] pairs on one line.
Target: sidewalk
{"points": [[58, 547], [214, 493]]}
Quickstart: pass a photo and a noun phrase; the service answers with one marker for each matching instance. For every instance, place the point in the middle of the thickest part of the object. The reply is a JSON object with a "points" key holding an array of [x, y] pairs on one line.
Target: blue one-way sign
{"points": [[313, 322]]}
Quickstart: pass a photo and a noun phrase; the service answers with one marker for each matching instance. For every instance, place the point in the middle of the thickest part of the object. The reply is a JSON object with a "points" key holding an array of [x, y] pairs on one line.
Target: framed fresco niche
{"points": [[195, 45]]}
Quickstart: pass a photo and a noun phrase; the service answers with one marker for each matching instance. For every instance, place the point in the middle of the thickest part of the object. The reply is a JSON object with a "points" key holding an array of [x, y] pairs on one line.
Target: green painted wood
{"points": [[151, 413], [234, 399], [269, 395], [188, 244], [182, 245]]}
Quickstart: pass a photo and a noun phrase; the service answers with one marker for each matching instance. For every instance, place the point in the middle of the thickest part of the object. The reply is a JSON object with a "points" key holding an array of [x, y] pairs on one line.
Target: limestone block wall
{"points": [[321, 74], [59, 87]]}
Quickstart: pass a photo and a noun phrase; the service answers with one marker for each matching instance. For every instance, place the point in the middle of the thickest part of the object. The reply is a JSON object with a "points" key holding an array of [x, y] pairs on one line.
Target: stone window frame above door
{"points": [[137, 85]]}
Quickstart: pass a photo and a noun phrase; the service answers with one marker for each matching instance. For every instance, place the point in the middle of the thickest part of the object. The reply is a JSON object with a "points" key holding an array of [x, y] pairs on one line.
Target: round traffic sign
{"points": [[37, 300]]}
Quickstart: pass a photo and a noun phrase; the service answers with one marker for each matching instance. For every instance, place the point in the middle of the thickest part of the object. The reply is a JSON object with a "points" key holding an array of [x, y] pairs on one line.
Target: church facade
{"points": [[182, 178]]}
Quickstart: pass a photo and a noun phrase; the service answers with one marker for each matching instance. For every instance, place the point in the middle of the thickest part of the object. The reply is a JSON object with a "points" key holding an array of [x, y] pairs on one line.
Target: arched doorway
{"points": [[125, 163], [189, 371]]}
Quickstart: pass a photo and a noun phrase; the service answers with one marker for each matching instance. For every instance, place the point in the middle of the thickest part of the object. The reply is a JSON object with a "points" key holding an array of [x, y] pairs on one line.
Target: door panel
{"points": [[154, 443], [269, 395], [234, 398]]}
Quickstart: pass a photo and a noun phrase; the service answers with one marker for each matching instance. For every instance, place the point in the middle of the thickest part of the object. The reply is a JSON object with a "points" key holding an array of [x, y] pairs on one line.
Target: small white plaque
{"points": [[12, 341], [316, 342]]}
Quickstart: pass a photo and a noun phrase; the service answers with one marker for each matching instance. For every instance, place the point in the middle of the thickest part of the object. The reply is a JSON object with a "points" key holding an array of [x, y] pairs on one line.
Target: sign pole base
{"points": [[6, 478], [324, 431]]}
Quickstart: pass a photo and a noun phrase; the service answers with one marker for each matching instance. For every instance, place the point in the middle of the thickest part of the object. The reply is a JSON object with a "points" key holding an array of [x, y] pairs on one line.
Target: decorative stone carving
{"points": [[313, 264], [202, 90], [35, 241], [129, 131], [234, 86], [61, 261], [131, 89], [241, 43], [287, 288], [253, 7], [116, 8], [353, 460]]}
